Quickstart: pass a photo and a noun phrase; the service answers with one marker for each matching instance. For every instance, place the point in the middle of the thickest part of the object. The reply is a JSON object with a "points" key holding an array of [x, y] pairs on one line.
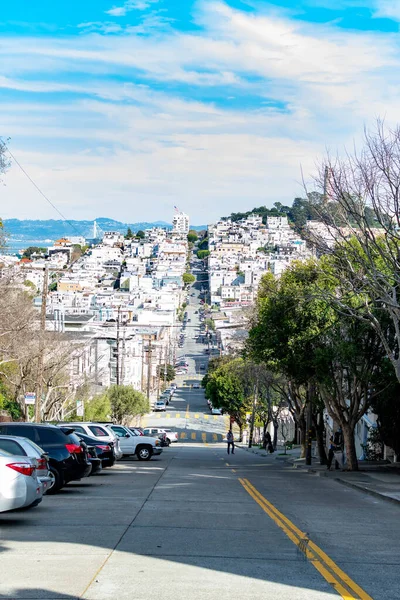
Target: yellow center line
{"points": [[318, 558], [187, 412], [233, 470]]}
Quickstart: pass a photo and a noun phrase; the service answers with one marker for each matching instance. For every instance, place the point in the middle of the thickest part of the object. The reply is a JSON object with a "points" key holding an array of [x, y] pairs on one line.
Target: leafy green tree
{"points": [[203, 245], [224, 387], [188, 278], [126, 403], [129, 234], [169, 375], [202, 254], [33, 250], [192, 236], [298, 332], [140, 234], [97, 408]]}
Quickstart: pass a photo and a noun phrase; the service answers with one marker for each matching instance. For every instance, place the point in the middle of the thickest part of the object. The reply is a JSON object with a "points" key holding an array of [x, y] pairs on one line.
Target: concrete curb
{"points": [[365, 490]]}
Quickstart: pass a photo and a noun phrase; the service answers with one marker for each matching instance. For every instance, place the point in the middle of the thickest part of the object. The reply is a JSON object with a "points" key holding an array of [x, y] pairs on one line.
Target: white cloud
{"points": [[388, 8], [128, 6], [132, 151]]}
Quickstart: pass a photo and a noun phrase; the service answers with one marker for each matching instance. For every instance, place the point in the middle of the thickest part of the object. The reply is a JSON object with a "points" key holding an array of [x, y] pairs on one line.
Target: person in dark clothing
{"points": [[331, 454], [230, 440]]}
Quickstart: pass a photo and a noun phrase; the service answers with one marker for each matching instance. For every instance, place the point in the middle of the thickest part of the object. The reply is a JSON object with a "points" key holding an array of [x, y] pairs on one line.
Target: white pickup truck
{"points": [[133, 444]]}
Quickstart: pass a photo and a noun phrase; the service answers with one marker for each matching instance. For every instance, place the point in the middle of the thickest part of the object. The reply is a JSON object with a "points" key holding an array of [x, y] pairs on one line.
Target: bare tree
{"points": [[361, 211]]}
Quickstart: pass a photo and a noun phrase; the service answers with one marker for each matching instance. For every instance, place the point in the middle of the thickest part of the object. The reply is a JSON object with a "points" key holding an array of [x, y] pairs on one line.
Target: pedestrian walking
{"points": [[331, 454], [230, 440]]}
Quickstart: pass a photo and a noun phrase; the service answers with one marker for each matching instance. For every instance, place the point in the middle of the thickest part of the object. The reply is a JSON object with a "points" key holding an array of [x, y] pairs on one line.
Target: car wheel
{"points": [[58, 480], [168, 441], [143, 453]]}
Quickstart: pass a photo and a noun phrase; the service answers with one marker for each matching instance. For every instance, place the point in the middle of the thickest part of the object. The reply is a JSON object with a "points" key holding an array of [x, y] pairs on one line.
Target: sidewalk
{"points": [[379, 480]]}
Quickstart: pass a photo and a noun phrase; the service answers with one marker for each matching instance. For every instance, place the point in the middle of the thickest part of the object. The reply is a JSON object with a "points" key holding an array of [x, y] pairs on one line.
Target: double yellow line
{"points": [[342, 583]]}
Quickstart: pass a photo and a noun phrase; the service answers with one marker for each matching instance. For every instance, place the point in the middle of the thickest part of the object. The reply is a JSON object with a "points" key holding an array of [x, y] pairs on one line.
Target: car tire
{"points": [[58, 481], [144, 453], [168, 442]]}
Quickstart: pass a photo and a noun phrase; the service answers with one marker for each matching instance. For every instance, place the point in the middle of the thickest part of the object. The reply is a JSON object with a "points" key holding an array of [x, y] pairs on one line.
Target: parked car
{"points": [[196, 385], [216, 411], [136, 430], [98, 431], [174, 386], [104, 450], [159, 405], [89, 449], [180, 371], [19, 485], [171, 436], [63, 460], [21, 446], [131, 444]]}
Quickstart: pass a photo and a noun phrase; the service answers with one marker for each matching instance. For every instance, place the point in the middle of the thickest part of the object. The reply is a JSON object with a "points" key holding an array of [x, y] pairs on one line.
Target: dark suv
{"points": [[67, 461]]}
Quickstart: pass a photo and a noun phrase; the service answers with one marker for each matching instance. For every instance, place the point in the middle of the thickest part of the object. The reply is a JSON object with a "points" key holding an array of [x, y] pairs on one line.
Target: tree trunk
{"points": [[240, 433], [350, 446], [265, 427], [319, 431], [275, 440]]}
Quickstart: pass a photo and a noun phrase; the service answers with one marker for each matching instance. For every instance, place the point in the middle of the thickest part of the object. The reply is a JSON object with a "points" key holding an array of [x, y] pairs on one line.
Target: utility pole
{"points": [[149, 371], [159, 373], [39, 377], [118, 341], [142, 373]]}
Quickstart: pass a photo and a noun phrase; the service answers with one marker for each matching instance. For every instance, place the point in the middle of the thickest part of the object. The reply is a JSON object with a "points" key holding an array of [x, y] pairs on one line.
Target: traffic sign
{"points": [[30, 398], [80, 409]]}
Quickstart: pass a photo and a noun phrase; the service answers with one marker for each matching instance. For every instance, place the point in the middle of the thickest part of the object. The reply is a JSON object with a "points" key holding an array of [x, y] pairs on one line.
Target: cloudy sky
{"points": [[126, 108]]}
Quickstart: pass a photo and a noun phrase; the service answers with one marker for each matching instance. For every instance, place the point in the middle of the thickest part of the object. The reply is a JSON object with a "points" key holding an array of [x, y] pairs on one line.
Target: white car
{"points": [[196, 386], [172, 436], [19, 485], [21, 446], [181, 372], [216, 411], [134, 444], [159, 406]]}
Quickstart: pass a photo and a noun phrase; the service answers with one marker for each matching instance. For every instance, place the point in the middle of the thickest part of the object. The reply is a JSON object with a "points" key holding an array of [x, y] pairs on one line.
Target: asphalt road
{"points": [[188, 524]]}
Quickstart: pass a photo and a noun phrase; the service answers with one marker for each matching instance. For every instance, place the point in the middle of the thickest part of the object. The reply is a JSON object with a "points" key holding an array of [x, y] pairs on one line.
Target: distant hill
{"points": [[53, 229]]}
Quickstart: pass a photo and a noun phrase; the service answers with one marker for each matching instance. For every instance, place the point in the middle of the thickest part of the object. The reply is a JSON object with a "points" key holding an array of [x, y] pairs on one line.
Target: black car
{"points": [[67, 461], [104, 450], [88, 449]]}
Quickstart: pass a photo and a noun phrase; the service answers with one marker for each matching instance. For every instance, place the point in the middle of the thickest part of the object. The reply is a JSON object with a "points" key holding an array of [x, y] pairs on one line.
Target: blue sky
{"points": [[126, 108]]}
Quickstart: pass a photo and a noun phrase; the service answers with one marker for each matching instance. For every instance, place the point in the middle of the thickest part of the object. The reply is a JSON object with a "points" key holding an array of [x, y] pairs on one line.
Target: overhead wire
{"points": [[64, 218]]}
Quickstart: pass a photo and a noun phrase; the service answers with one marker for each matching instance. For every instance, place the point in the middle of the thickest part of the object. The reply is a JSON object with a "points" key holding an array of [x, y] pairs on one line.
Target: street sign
{"points": [[30, 398], [80, 409]]}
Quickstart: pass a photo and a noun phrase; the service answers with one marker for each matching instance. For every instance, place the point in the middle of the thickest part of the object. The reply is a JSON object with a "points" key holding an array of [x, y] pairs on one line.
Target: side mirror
{"points": [[127, 435]]}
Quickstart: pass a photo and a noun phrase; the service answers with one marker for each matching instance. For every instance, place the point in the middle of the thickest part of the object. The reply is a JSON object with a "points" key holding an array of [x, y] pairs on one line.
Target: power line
{"points": [[40, 191]]}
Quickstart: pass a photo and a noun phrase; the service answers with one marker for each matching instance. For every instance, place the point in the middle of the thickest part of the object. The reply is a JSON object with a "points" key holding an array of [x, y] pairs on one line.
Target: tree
{"points": [[224, 387], [202, 254], [203, 245], [361, 193], [33, 250], [129, 234], [98, 408], [322, 354], [126, 403], [188, 278], [192, 236], [140, 234], [168, 374], [4, 160]]}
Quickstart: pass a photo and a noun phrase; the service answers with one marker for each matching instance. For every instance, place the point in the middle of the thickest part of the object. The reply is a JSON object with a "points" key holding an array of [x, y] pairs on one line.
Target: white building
{"points": [[180, 223]]}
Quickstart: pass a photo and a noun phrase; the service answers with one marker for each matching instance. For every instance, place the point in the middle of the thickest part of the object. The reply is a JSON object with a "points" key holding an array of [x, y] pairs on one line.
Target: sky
{"points": [[127, 108]]}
